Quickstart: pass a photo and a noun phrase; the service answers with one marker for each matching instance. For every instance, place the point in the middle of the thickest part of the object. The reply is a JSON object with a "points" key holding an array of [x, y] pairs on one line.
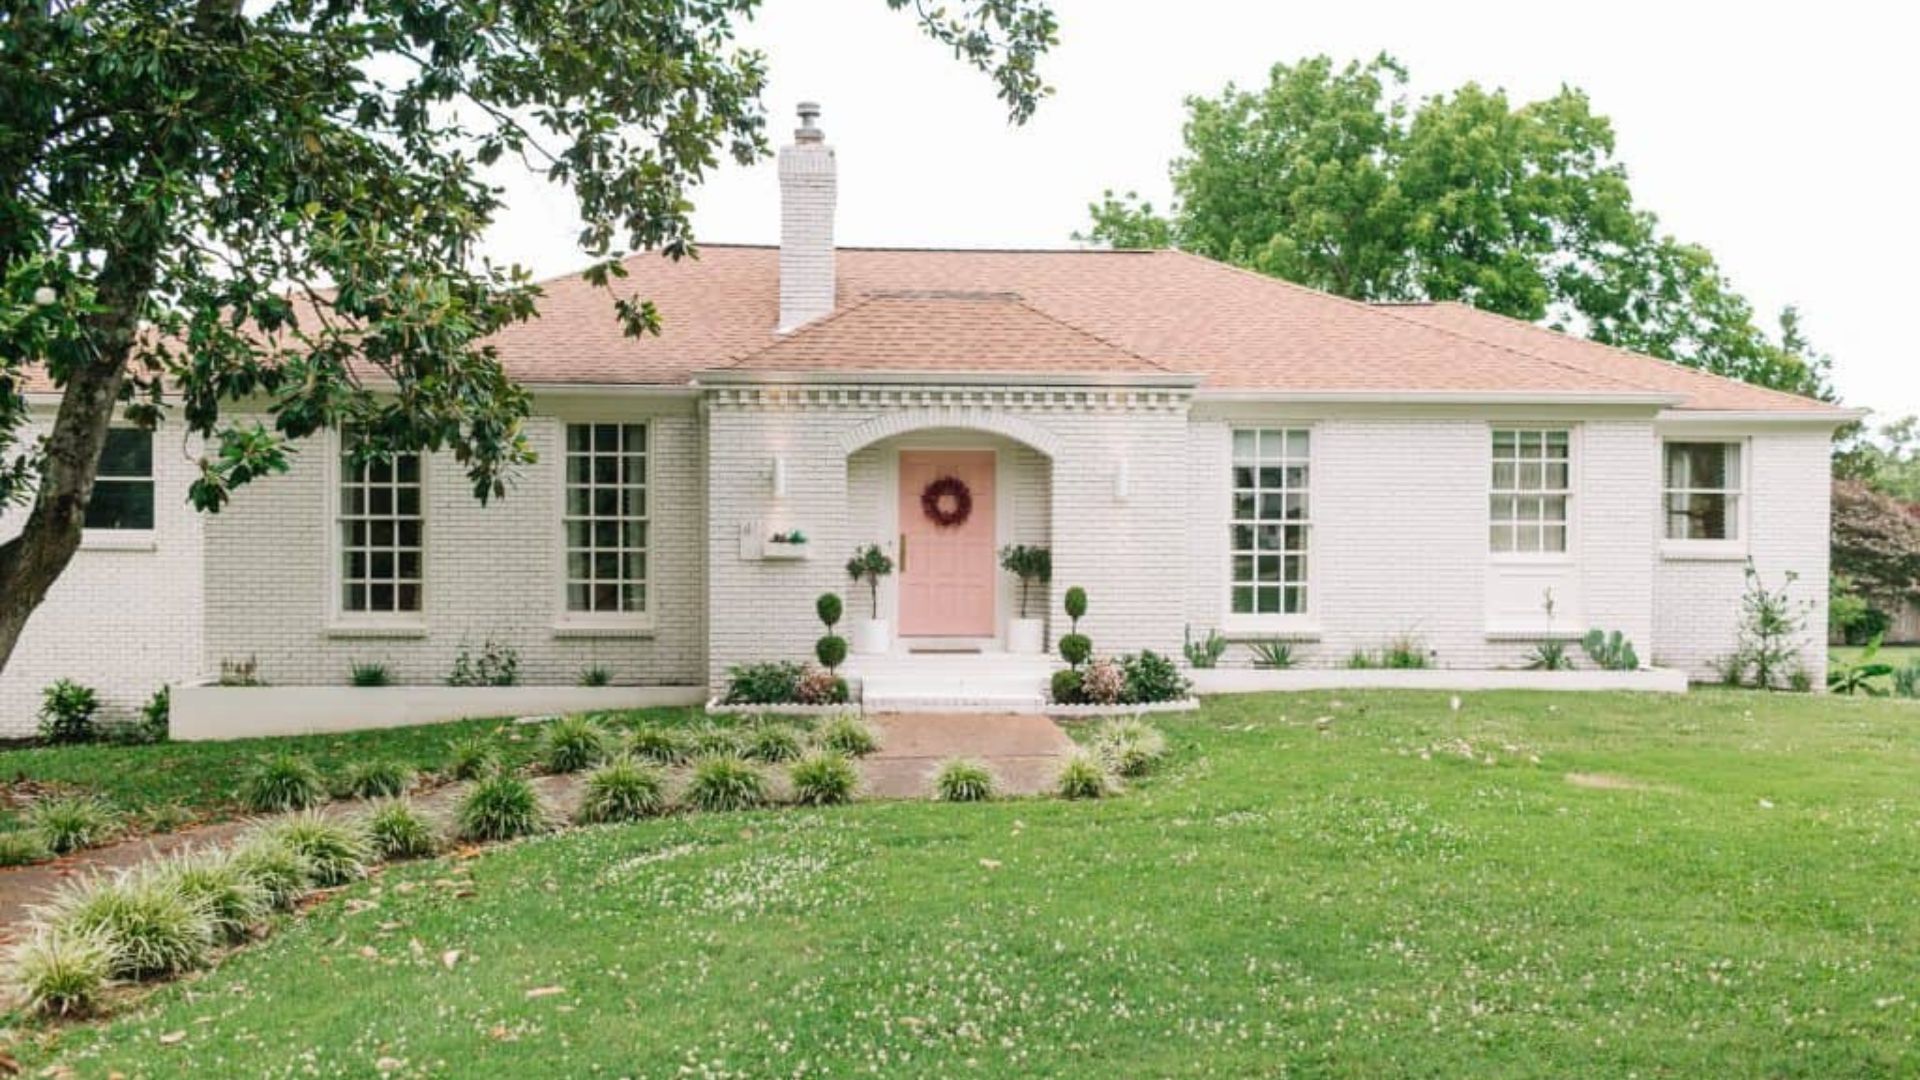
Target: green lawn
{"points": [[1401, 889]]}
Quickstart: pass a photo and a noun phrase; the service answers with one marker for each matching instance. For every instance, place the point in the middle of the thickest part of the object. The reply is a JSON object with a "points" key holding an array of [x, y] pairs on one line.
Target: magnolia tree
{"points": [[211, 202]]}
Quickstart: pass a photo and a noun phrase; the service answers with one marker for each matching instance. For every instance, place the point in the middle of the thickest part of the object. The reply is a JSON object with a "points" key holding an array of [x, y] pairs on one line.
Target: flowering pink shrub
{"points": [[1102, 682], [818, 686]]}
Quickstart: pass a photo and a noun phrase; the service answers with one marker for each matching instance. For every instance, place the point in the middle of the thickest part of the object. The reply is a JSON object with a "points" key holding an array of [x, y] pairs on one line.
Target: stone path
{"points": [[1022, 751]]}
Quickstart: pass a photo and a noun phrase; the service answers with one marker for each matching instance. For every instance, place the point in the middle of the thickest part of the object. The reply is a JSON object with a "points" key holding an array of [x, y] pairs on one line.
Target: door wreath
{"points": [[947, 502]]}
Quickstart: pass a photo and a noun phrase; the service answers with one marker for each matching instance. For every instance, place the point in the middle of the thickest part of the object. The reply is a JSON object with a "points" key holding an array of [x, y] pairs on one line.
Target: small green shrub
{"points": [[1082, 776], [376, 779], [233, 899], [713, 741], [62, 972], [1858, 677], [1151, 677], [823, 778], [719, 784], [1612, 651], [572, 743], [1075, 648], [496, 664], [1206, 652], [622, 790], [660, 745], [1076, 601], [595, 675], [282, 782], [1906, 680], [775, 682], [472, 758], [1129, 745], [1067, 688], [847, 735], [336, 851], [830, 609], [1277, 655], [66, 713], [398, 830], [1404, 652], [1103, 682], [372, 673], [156, 715], [770, 744], [282, 873], [500, 807], [1361, 659], [69, 823], [152, 927], [23, 847], [963, 780], [831, 651], [237, 672]]}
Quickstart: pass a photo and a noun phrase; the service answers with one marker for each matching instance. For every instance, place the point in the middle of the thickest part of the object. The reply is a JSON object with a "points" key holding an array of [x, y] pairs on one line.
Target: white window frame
{"points": [[129, 539], [569, 623], [1571, 493], [1300, 622], [1735, 548], [376, 623]]}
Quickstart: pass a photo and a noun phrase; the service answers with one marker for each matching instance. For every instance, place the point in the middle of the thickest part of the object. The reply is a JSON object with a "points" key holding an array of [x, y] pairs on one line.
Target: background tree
{"points": [[1328, 177], [1876, 549], [209, 202]]}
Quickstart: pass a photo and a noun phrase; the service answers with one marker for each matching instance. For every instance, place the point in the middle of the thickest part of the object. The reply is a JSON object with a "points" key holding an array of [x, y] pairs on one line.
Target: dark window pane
{"points": [[579, 534], [380, 597], [409, 501], [121, 504], [606, 596], [408, 468], [1269, 596], [577, 436], [606, 438], [576, 596], [356, 598], [128, 452], [410, 533], [410, 597], [578, 469], [1243, 600]]}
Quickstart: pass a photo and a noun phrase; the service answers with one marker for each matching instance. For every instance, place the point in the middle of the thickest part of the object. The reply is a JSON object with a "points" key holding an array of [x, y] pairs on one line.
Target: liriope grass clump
{"points": [[623, 789], [59, 972], [770, 744], [1129, 745], [22, 847], [713, 742], [725, 783], [963, 780], [848, 735], [376, 779], [336, 851], [233, 899], [153, 927], [398, 830], [472, 758], [1083, 775], [282, 873], [283, 782], [499, 807], [660, 745], [572, 743], [68, 823], [823, 778]]}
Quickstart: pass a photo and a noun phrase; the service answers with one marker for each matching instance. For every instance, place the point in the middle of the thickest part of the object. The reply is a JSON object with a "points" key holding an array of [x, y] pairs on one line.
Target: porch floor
{"points": [[1023, 750]]}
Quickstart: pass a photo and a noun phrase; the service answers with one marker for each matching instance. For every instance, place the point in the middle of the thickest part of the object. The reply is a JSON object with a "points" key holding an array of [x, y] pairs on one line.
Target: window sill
{"points": [[118, 540], [1521, 558], [376, 628], [1703, 551], [595, 628], [1536, 633], [1238, 628]]}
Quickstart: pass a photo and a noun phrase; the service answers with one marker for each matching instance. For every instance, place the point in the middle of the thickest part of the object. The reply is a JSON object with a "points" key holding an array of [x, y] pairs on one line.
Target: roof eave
{"points": [[1831, 418], [741, 377], [1447, 397]]}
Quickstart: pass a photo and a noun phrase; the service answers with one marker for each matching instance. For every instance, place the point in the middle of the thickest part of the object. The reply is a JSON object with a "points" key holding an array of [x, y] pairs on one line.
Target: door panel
{"points": [[947, 582]]}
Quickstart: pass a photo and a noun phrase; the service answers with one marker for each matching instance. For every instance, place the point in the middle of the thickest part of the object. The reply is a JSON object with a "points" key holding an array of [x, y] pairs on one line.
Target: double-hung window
{"points": [[1702, 492], [123, 488], [382, 535], [1532, 487], [605, 519], [1271, 521]]}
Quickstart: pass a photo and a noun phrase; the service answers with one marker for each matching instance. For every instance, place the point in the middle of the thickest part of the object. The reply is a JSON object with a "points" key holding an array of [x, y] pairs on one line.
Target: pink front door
{"points": [[946, 571]]}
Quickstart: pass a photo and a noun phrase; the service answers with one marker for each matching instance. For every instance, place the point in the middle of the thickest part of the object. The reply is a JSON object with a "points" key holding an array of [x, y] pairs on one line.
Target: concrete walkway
{"points": [[1023, 752]]}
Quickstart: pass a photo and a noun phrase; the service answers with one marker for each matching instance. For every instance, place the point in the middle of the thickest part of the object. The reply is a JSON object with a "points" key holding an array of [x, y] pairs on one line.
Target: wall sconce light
{"points": [[1122, 481], [779, 477]]}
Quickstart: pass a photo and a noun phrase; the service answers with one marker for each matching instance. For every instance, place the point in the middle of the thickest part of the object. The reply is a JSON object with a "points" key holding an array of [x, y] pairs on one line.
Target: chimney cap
{"points": [[808, 131]]}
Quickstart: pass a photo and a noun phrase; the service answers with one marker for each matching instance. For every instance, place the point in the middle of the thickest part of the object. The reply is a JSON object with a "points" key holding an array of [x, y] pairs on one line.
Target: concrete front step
{"points": [[981, 682]]}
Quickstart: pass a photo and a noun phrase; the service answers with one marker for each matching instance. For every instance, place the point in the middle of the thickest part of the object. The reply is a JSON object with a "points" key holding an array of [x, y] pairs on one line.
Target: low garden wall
{"points": [[244, 712], [1259, 680]]}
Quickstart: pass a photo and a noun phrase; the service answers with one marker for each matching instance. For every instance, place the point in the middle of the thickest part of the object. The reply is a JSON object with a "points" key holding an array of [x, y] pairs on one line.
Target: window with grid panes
{"points": [[382, 535], [1271, 521], [1531, 485], [606, 519]]}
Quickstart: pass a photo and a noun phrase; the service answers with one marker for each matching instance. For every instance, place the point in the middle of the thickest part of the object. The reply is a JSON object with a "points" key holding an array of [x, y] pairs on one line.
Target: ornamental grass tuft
{"points": [[282, 782], [337, 851], [152, 927], [847, 734], [660, 745], [61, 972], [624, 789], [823, 778], [233, 899], [69, 823], [571, 744], [1083, 776], [963, 780], [472, 758], [499, 807], [282, 873], [770, 744], [725, 783], [22, 847], [398, 830], [713, 742], [1129, 745], [376, 779]]}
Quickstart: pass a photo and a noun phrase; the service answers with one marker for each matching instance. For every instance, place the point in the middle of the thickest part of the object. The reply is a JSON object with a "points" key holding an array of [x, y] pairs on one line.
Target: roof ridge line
{"points": [[780, 338]]}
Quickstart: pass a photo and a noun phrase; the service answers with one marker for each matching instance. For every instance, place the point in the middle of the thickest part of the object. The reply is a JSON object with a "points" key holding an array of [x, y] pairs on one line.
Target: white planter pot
{"points": [[871, 636], [1026, 637]]}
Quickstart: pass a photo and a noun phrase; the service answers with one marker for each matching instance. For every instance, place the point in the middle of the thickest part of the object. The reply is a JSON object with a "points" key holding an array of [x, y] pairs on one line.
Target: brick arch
{"points": [[900, 423]]}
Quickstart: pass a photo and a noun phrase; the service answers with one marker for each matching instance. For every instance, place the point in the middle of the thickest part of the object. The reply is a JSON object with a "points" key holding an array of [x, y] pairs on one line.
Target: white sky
{"points": [[1782, 140]]}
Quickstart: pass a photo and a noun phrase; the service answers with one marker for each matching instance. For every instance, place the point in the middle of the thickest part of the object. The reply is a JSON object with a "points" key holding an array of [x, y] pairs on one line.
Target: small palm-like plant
{"points": [[499, 807], [372, 673], [1129, 745], [713, 742], [472, 757], [1082, 776], [963, 780], [847, 734], [282, 873], [725, 783], [660, 745], [233, 899], [595, 675], [62, 972], [823, 778], [337, 851], [69, 823], [283, 782], [770, 744], [153, 928], [398, 830], [376, 779], [572, 743], [22, 847], [622, 790]]}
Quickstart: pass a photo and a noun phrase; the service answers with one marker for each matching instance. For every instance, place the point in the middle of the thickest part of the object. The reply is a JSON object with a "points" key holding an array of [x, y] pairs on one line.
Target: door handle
{"points": [[903, 553]]}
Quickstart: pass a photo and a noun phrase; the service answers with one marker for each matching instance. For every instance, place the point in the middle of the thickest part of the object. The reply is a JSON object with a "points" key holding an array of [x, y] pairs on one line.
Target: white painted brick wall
{"points": [[808, 189], [121, 621], [491, 570]]}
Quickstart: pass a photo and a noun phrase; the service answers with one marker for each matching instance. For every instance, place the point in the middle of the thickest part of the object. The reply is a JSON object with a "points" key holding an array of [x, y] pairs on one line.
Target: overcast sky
{"points": [[1782, 141]]}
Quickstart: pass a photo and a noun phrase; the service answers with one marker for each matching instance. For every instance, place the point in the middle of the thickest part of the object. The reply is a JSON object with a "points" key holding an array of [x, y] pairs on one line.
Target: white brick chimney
{"points": [[807, 193]]}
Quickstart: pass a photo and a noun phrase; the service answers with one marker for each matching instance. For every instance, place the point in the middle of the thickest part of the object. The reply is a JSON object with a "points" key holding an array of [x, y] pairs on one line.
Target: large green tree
{"points": [[1328, 176], [204, 202]]}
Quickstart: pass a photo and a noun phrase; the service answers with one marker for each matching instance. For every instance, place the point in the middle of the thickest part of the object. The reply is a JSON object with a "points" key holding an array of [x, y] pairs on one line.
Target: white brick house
{"points": [[1198, 446]]}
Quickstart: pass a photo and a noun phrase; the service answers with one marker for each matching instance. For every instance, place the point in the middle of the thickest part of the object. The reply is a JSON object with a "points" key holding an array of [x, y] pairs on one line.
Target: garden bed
{"points": [[241, 712], [1261, 680], [721, 707], [1076, 712]]}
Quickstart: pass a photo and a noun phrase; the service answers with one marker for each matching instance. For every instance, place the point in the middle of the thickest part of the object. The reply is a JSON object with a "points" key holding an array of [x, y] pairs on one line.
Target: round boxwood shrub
{"points": [[1082, 776], [963, 780], [1075, 648], [152, 927], [376, 779], [660, 745], [398, 830], [831, 651], [283, 782], [770, 743], [572, 743], [1076, 605], [336, 851], [62, 972], [829, 608], [725, 783], [500, 807], [823, 778], [848, 735], [69, 823], [1066, 687], [622, 790]]}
